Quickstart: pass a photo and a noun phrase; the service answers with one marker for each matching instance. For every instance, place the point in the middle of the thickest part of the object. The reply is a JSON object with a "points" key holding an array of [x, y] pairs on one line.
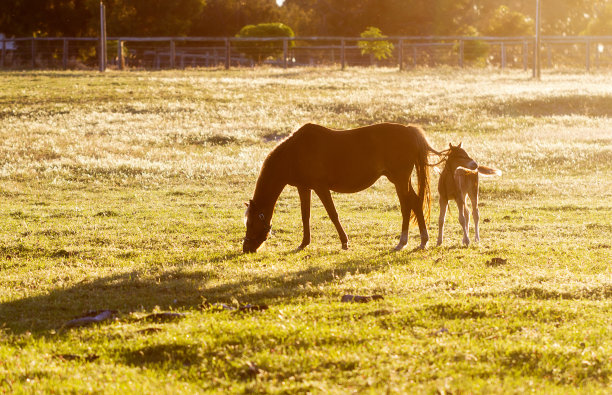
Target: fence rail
{"points": [[408, 51]]}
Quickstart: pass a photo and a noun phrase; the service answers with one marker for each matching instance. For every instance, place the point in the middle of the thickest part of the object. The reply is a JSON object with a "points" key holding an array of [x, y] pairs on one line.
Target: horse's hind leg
{"points": [[305, 207], [328, 203], [418, 212], [404, 198]]}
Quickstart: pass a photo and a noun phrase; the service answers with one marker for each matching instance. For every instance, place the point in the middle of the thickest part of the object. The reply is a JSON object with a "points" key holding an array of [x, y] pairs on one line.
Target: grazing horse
{"points": [[458, 180], [315, 158]]}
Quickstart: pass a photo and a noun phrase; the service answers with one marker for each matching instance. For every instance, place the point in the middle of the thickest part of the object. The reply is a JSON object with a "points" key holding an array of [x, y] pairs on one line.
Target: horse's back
{"points": [[349, 160]]}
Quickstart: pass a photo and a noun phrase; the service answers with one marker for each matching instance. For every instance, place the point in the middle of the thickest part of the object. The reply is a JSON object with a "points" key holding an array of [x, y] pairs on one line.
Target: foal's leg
{"points": [[404, 198], [473, 193], [418, 212], [328, 203], [305, 207], [461, 208], [466, 214], [443, 208]]}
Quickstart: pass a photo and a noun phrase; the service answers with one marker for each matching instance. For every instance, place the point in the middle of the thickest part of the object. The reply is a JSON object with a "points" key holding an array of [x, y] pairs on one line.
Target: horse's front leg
{"points": [[305, 208], [328, 203]]}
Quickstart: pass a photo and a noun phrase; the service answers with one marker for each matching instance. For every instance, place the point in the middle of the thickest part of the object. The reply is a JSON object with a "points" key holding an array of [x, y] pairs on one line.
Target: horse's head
{"points": [[458, 157], [257, 228]]}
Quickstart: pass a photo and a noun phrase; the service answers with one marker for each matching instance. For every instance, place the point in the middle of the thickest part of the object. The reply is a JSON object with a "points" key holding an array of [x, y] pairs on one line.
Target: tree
{"points": [[150, 18], [226, 17], [259, 51], [378, 49], [601, 22], [45, 18], [509, 23]]}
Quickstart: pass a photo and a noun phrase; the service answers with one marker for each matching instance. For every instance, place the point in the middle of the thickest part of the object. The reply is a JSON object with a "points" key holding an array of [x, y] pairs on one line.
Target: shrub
{"points": [[268, 49], [378, 49], [474, 50]]}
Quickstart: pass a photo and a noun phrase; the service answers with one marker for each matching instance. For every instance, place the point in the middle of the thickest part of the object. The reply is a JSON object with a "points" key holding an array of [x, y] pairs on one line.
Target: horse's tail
{"points": [[489, 171], [423, 151]]}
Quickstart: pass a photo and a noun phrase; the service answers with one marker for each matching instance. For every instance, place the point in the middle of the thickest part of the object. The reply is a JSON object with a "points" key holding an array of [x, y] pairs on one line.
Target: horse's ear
{"points": [[450, 145], [459, 146], [246, 204]]}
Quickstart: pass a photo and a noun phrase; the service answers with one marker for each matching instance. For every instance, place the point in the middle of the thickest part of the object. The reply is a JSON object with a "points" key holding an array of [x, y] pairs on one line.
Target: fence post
{"points": [[414, 56], [503, 55], [461, 52], [3, 56], [65, 55], [401, 54], [102, 37], [172, 53], [227, 53], [120, 64], [588, 54], [525, 51], [33, 53], [537, 64], [342, 55], [549, 55], [285, 50]]}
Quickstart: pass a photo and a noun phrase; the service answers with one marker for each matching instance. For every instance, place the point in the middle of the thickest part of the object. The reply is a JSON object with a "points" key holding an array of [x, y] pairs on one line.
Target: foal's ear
{"points": [[450, 145], [246, 204], [459, 146]]}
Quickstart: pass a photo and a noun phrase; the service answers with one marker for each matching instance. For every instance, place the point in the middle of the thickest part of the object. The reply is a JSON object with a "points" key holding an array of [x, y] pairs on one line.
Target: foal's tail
{"points": [[489, 171]]}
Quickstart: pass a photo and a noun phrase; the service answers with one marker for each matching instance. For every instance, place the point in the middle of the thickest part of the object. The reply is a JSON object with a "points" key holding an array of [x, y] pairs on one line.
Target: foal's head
{"points": [[257, 228], [458, 157]]}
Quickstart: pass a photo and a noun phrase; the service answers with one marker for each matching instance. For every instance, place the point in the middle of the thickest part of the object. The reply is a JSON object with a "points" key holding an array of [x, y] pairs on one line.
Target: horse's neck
{"points": [[269, 186]]}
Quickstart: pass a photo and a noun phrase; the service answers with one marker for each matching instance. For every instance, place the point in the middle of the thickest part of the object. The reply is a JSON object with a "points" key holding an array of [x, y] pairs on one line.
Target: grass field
{"points": [[124, 191]]}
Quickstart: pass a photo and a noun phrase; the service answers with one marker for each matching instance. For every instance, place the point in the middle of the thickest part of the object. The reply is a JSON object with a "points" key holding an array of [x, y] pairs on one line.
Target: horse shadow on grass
{"points": [[179, 288]]}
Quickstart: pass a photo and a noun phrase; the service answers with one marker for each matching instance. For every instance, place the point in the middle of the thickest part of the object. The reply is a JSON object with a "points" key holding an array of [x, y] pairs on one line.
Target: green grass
{"points": [[125, 191]]}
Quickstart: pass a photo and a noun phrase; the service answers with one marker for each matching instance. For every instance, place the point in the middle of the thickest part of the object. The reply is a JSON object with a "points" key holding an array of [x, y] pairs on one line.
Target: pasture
{"points": [[124, 191]]}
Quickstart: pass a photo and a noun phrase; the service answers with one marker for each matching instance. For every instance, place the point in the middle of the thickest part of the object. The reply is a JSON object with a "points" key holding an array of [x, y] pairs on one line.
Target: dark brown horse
{"points": [[315, 158], [458, 180]]}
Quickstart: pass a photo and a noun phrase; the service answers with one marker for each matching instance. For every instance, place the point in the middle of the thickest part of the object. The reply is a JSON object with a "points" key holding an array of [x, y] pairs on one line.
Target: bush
{"points": [[379, 49], [264, 50], [474, 50]]}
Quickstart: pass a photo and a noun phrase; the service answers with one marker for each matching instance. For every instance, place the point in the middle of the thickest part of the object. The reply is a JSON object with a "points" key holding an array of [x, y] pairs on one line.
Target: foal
{"points": [[458, 180]]}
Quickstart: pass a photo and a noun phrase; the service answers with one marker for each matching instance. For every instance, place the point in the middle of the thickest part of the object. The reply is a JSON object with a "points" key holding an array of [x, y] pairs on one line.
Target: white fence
{"points": [[584, 52]]}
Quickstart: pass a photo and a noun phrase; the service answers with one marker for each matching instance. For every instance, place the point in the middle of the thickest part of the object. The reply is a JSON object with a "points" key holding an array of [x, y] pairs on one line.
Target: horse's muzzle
{"points": [[249, 246]]}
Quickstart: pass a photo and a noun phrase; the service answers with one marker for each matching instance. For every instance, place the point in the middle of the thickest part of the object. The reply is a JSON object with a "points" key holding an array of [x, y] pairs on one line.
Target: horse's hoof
{"points": [[399, 247], [345, 246]]}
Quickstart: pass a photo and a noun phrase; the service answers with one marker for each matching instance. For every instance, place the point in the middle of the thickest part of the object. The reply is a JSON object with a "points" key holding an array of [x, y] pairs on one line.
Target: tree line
{"points": [[142, 18]]}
